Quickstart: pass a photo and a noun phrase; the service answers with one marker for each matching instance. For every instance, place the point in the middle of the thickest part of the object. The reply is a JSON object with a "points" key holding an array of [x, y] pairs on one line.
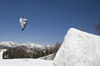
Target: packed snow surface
{"points": [[79, 49], [25, 62]]}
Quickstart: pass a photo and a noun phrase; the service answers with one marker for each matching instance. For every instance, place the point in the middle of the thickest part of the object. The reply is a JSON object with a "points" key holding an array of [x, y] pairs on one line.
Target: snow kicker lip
{"points": [[79, 49]]}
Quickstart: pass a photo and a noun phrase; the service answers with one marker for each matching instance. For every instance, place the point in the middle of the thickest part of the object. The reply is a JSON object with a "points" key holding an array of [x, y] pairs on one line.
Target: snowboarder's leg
{"points": [[22, 25], [24, 22]]}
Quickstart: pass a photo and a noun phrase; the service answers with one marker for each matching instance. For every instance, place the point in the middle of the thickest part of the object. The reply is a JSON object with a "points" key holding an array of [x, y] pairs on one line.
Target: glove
{"points": [[27, 21]]}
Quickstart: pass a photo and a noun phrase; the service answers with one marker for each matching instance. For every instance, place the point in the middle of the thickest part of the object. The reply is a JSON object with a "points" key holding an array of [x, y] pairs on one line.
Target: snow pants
{"points": [[22, 24]]}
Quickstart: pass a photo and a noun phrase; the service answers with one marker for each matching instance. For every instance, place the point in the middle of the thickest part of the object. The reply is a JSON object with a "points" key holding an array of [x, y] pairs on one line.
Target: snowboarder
{"points": [[22, 19], [23, 24]]}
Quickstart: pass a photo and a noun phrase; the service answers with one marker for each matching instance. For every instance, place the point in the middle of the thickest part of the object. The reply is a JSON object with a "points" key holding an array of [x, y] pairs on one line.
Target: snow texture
{"points": [[25, 62], [1, 53], [48, 57], [79, 49]]}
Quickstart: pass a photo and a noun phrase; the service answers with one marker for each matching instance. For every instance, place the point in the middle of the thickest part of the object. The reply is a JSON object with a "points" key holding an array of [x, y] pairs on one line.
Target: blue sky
{"points": [[49, 20]]}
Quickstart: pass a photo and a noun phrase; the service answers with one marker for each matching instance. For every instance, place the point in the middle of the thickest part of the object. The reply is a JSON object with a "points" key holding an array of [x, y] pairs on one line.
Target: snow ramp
{"points": [[79, 49]]}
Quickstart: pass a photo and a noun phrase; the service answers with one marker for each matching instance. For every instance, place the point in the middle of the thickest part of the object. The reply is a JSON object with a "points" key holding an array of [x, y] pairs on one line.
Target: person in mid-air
{"points": [[22, 21]]}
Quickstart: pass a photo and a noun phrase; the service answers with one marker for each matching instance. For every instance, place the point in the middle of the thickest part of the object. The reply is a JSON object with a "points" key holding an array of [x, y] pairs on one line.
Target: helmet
{"points": [[22, 16]]}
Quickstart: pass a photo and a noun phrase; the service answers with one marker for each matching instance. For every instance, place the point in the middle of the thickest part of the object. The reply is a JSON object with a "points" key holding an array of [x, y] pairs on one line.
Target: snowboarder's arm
{"points": [[20, 20], [25, 19]]}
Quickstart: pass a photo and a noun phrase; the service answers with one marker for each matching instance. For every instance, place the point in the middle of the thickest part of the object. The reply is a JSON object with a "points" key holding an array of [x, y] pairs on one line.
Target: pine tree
{"points": [[47, 51], [97, 26], [51, 49]]}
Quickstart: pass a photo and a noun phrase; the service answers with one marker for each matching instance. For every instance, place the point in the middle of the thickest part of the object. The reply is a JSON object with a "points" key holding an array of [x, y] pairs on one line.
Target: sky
{"points": [[48, 20]]}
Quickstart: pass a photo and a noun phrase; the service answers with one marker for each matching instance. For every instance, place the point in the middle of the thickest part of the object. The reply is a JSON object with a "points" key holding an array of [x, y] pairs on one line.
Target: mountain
{"points": [[9, 44], [28, 45], [79, 49]]}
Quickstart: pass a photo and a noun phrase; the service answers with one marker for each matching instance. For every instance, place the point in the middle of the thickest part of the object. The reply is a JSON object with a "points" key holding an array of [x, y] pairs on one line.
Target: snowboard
{"points": [[25, 25]]}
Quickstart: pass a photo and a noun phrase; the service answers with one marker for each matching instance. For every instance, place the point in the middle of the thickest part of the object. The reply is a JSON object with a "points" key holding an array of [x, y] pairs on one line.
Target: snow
{"points": [[1, 52], [79, 49], [9, 44], [25, 62], [28, 44], [48, 57]]}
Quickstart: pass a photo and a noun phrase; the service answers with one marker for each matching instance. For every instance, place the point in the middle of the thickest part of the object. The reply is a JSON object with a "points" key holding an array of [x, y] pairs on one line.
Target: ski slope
{"points": [[79, 49], [24, 62]]}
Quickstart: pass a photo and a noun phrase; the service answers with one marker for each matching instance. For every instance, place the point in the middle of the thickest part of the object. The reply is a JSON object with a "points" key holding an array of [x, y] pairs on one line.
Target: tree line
{"points": [[97, 27], [20, 52]]}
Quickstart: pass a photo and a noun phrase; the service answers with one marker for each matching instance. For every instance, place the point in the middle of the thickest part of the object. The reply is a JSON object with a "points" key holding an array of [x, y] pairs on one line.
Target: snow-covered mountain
{"points": [[28, 45], [79, 49], [9, 44]]}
